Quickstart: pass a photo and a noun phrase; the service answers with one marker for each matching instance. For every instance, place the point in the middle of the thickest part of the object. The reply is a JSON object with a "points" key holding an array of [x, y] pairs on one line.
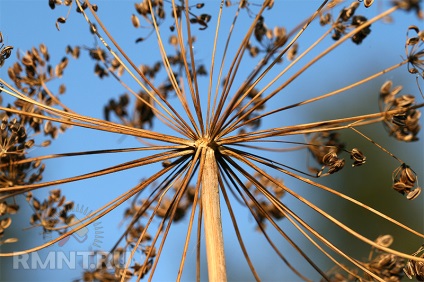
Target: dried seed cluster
{"points": [[405, 181], [5, 221], [141, 115], [262, 208], [384, 265], [172, 197], [416, 268], [5, 51], [403, 125], [14, 142], [346, 21], [52, 214], [413, 51]]}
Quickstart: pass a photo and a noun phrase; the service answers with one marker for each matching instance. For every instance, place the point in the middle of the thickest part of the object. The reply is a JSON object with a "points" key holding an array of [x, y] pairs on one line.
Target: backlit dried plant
{"points": [[207, 132]]}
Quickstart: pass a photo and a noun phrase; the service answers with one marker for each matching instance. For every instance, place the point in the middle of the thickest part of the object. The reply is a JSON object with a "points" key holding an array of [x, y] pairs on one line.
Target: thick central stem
{"points": [[212, 219]]}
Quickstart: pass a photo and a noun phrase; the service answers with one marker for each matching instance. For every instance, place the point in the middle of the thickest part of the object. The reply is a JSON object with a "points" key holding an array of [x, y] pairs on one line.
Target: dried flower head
{"points": [[217, 136]]}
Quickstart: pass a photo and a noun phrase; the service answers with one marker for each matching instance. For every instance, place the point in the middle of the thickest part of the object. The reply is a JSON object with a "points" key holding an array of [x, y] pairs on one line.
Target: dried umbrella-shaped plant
{"points": [[213, 151]]}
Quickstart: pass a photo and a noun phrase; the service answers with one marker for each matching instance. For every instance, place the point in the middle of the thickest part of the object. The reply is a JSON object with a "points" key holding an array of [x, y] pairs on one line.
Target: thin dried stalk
{"points": [[212, 218]]}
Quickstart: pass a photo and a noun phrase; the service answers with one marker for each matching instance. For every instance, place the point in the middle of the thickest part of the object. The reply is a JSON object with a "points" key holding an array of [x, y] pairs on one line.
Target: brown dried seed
{"points": [[338, 165], [27, 61], [386, 260], [46, 143], [414, 28], [3, 208], [29, 143], [5, 223], [400, 186], [10, 240], [414, 194], [409, 269], [410, 174], [419, 268], [358, 157], [62, 89], [405, 100], [368, 3], [291, 54], [61, 20], [385, 240], [173, 40], [135, 21], [412, 41], [12, 209], [6, 52], [329, 158], [36, 204]]}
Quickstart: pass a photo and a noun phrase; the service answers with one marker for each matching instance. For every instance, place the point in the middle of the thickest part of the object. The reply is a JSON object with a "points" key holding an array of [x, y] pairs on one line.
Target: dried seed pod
{"points": [[135, 21], [409, 269], [385, 240], [46, 143], [358, 157], [419, 269], [3, 208], [404, 101], [10, 240], [399, 119], [329, 158], [385, 88], [5, 223], [407, 175], [36, 204], [12, 209], [29, 144], [62, 89], [27, 60], [402, 187], [291, 54], [338, 165], [414, 194], [60, 20], [368, 3]]}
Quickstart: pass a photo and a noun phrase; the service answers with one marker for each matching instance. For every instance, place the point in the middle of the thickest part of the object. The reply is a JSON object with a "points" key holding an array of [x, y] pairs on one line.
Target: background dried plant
{"points": [[42, 74]]}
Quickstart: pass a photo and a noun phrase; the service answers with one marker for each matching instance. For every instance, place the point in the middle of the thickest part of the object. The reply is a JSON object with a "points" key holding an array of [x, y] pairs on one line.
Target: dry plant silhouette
{"points": [[207, 126]]}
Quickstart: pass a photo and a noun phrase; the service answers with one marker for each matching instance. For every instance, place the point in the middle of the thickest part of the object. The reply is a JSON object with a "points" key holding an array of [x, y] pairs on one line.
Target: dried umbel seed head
{"points": [[332, 162], [405, 181], [404, 125], [415, 268], [413, 53]]}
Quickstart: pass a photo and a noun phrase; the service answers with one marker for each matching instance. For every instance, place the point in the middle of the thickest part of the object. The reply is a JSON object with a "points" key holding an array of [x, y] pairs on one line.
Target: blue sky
{"points": [[28, 23]]}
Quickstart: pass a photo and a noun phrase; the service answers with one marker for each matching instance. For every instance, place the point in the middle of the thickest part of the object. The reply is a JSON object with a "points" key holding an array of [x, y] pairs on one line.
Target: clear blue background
{"points": [[28, 23]]}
